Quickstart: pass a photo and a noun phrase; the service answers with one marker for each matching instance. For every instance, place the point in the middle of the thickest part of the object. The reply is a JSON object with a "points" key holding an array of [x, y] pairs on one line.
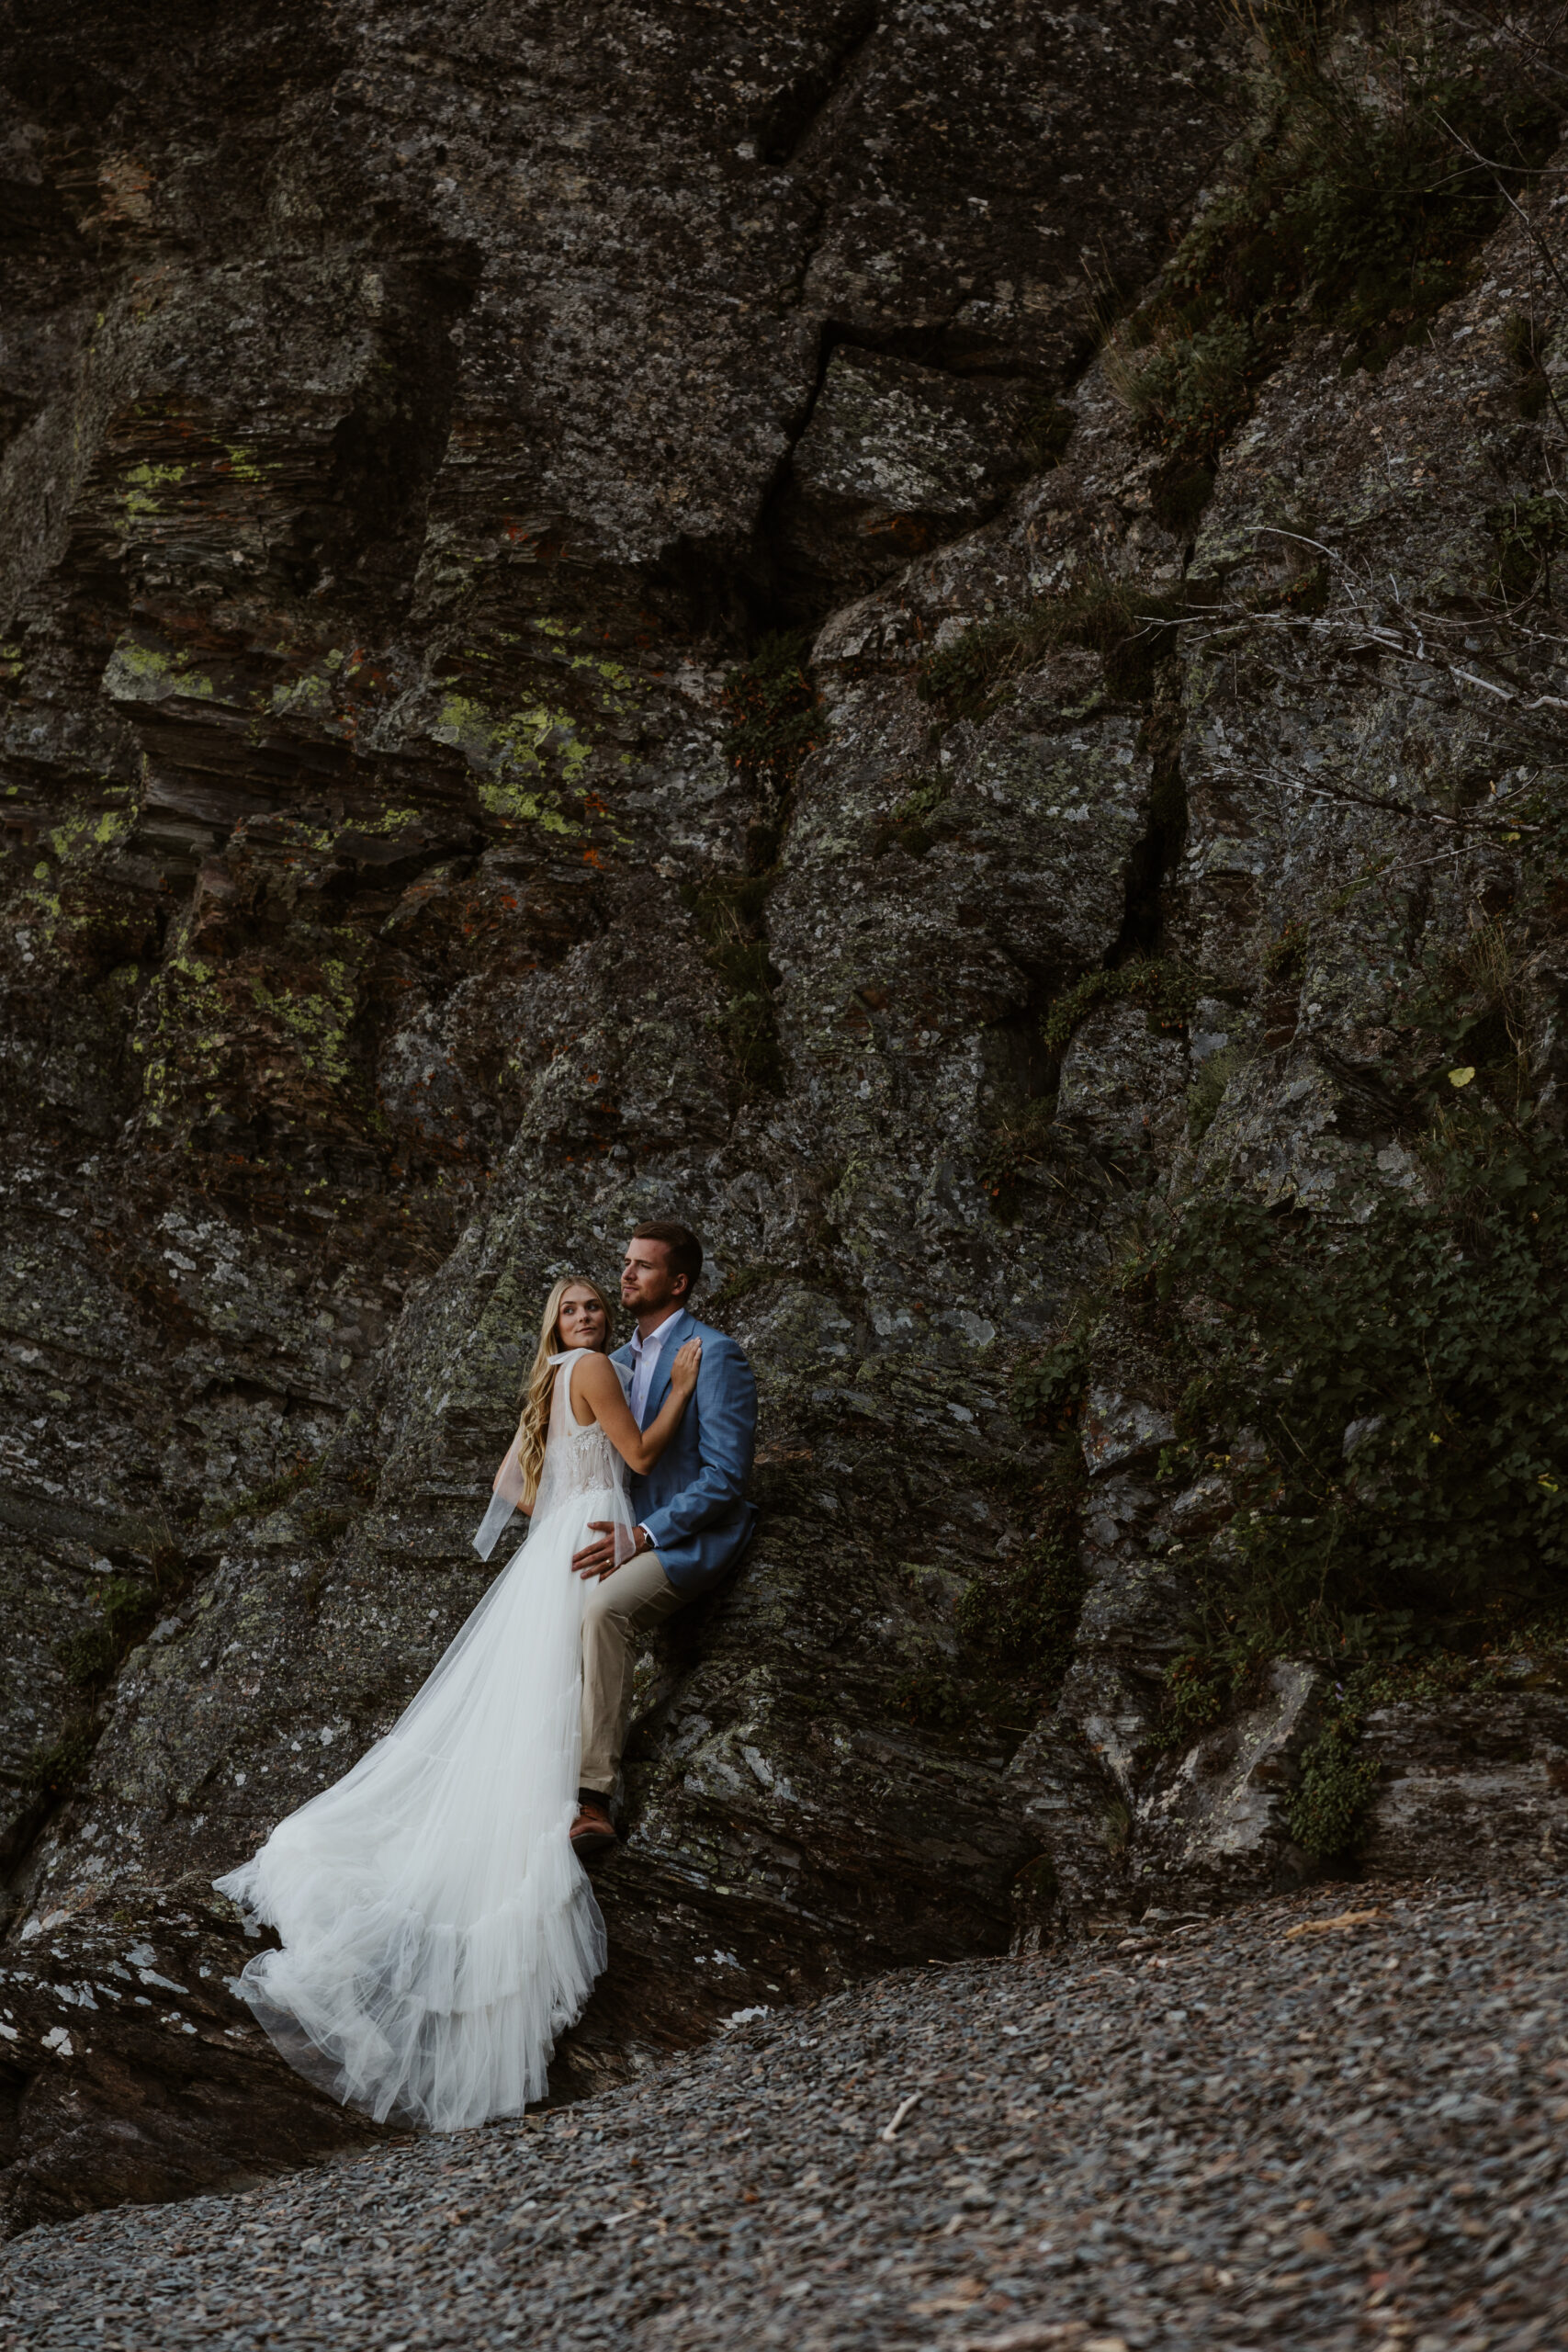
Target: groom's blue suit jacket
{"points": [[693, 1501]]}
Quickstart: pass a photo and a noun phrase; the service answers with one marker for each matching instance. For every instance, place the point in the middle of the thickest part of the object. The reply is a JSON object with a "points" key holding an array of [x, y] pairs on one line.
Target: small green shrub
{"points": [[771, 704], [743, 1281], [1435, 1329], [1207, 1091], [1131, 629], [1037, 1882], [1179, 495], [1308, 592], [259, 1502], [1198, 1689], [1048, 1393], [1284, 958], [89, 1655], [1011, 1151], [325, 1525], [964, 675], [1328, 1814], [934, 1701], [1524, 342], [912, 825], [1528, 532], [1194, 389], [1359, 207], [729, 915], [53, 1771], [1116, 1827], [1167, 991], [125, 1612], [1046, 431]]}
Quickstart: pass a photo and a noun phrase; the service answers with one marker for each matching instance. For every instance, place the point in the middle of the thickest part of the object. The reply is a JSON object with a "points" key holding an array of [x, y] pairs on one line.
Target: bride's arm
{"points": [[596, 1384]]}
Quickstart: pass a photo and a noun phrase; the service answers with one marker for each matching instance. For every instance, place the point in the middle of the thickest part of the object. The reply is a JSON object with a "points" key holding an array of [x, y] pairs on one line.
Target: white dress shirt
{"points": [[645, 1363]]}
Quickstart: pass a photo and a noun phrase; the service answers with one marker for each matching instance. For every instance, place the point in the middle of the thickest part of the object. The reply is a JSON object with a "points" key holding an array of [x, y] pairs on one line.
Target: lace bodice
{"points": [[578, 1461]]}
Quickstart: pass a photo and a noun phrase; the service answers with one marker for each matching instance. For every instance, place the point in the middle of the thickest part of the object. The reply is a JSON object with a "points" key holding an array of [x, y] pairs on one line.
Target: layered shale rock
{"points": [[489, 499]]}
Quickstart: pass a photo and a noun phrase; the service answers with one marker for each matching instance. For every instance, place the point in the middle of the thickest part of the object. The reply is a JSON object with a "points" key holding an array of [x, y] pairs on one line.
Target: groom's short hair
{"points": [[686, 1249]]}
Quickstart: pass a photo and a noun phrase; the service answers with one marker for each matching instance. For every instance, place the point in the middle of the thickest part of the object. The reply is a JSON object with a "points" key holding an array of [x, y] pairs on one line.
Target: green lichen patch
{"points": [[144, 484], [57, 899], [241, 463], [285, 1027], [523, 759], [138, 672], [184, 1034], [317, 1018], [537, 753]]}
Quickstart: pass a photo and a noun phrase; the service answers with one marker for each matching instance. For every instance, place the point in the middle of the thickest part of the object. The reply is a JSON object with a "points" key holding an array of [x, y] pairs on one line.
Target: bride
{"points": [[437, 1931]]}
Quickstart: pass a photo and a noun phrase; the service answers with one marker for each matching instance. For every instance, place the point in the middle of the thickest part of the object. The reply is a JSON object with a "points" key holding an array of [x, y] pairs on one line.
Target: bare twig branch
{"points": [[890, 2131]]}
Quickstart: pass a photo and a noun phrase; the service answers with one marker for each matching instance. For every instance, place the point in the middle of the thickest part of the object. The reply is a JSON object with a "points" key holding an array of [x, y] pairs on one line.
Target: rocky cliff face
{"points": [[585, 637]]}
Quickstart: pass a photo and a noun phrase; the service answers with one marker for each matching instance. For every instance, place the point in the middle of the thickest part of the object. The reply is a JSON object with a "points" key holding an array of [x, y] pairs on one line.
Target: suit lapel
{"points": [[671, 1335]]}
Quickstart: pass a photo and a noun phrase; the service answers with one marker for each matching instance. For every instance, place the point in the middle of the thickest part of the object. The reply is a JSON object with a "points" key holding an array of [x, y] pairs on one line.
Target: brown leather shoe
{"points": [[593, 1832]]}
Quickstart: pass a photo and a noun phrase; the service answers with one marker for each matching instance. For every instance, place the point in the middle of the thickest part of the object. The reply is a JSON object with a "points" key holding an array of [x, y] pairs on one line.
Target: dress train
{"points": [[439, 1933]]}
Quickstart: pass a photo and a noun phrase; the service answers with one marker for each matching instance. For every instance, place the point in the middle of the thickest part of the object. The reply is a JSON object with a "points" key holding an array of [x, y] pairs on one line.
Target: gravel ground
{"points": [[1332, 2121]]}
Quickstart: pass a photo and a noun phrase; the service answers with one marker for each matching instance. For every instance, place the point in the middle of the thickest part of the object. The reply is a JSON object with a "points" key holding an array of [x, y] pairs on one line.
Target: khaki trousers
{"points": [[618, 1606]]}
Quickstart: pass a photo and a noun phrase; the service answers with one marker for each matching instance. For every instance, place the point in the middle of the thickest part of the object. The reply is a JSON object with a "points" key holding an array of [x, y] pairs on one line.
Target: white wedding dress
{"points": [[438, 1931]]}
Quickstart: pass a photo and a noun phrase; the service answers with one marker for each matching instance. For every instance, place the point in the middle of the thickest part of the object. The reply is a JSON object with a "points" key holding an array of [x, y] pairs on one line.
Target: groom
{"points": [[695, 1522]]}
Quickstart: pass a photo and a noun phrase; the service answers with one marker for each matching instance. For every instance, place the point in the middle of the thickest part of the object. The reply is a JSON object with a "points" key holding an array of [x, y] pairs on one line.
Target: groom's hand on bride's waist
{"points": [[613, 1550]]}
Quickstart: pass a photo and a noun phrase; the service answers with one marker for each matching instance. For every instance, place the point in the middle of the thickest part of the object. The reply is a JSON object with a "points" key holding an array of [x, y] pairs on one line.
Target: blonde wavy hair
{"points": [[539, 1387]]}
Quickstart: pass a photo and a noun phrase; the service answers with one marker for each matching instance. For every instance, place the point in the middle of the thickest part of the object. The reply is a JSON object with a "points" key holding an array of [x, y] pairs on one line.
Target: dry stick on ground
{"points": [[890, 2130]]}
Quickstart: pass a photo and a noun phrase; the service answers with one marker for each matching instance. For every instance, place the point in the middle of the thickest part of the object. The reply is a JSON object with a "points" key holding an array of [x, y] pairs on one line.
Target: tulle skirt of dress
{"points": [[439, 1932]]}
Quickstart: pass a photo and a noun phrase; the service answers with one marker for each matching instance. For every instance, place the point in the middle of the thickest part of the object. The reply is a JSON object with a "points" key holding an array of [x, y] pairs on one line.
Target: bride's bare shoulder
{"points": [[593, 1382]]}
